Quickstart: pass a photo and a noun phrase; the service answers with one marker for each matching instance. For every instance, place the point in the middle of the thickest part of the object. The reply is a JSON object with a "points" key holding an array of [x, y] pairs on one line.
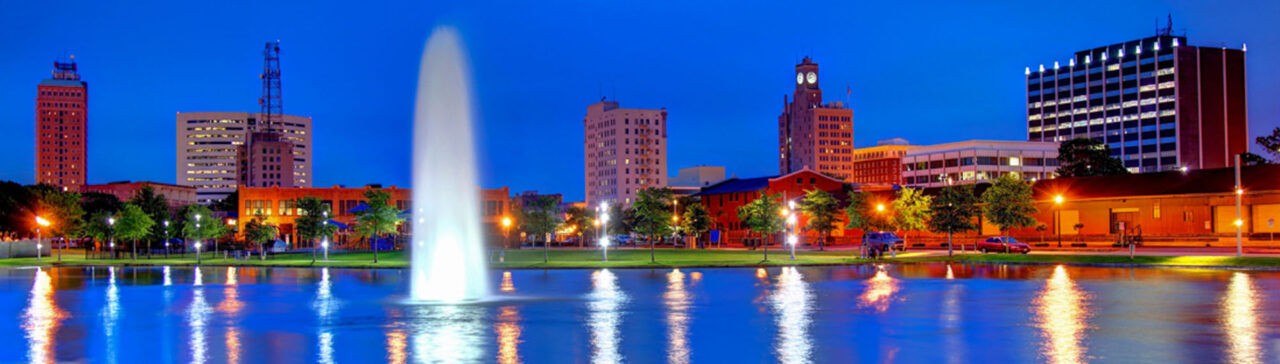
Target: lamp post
{"points": [[604, 226], [166, 239], [1239, 222], [111, 225], [1057, 218], [506, 231], [198, 238], [41, 222], [791, 237], [325, 244]]}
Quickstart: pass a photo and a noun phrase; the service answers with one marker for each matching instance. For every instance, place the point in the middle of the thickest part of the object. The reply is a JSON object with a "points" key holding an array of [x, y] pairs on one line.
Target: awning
{"points": [[338, 224], [361, 207]]}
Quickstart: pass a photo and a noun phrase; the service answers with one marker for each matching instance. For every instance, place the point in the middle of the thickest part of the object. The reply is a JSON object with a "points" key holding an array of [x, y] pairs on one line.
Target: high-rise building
{"points": [[266, 160], [62, 115], [1159, 103], [208, 143], [881, 164], [813, 134], [626, 150]]}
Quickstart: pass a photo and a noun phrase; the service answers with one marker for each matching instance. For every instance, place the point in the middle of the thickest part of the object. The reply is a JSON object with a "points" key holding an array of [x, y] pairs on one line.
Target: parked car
{"points": [[885, 240], [620, 240], [1001, 244]]}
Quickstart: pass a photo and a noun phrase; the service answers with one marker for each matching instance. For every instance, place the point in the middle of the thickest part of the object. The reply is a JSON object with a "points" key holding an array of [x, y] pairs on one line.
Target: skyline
{"points": [[537, 98]]}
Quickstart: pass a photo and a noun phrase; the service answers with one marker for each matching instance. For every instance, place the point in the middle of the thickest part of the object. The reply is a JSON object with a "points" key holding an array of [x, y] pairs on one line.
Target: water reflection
{"points": [[42, 319], [880, 291], [168, 281], [325, 307], [197, 319], [605, 316], [447, 333], [677, 300], [508, 329], [1062, 310], [792, 304], [230, 307], [111, 313], [507, 286], [396, 353], [1240, 320], [950, 274], [952, 316]]}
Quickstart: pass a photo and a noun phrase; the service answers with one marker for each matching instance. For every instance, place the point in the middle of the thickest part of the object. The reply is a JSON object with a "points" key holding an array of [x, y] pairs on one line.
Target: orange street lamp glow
{"points": [[1239, 191], [782, 211], [231, 222], [1239, 222], [879, 207], [41, 221], [675, 218], [506, 221], [1057, 199]]}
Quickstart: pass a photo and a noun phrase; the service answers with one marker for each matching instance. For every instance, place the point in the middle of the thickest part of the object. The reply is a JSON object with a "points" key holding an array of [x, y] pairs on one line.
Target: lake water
{"points": [[905, 313]]}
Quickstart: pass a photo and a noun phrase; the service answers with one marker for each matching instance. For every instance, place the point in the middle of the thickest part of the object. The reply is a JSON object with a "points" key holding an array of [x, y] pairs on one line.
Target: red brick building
{"points": [[881, 164], [177, 196], [723, 199], [813, 134], [62, 114]]}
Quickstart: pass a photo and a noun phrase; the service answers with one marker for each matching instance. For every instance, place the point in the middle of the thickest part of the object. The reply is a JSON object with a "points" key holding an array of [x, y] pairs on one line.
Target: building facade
{"points": [[626, 150], [266, 161], [176, 196], [1159, 103], [881, 164], [208, 145], [62, 128], [978, 161], [813, 134], [723, 199], [700, 176]]}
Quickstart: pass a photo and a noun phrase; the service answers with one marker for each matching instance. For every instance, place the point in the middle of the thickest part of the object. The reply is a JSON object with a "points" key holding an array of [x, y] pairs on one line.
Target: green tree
{"points": [[1250, 159], [911, 210], [1008, 203], [227, 204], [823, 211], [653, 215], [199, 224], [1270, 143], [380, 218], [259, 232], [16, 202], [95, 202], [579, 219], [538, 217], [1084, 157], [61, 208], [156, 207], [953, 211], [762, 216], [311, 223], [865, 214], [696, 221], [133, 224]]}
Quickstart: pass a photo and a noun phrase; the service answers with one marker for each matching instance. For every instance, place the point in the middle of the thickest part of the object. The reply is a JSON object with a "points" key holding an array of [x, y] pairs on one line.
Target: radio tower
{"points": [[271, 102]]}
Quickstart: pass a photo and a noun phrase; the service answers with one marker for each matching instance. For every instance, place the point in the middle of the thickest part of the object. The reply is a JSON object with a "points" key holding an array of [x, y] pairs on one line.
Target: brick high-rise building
{"points": [[208, 156], [881, 164], [1159, 103], [813, 134], [626, 150], [62, 115]]}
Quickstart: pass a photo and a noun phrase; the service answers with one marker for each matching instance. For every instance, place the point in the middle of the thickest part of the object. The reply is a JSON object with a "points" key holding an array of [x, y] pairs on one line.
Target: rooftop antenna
{"points": [[1168, 30], [272, 103]]}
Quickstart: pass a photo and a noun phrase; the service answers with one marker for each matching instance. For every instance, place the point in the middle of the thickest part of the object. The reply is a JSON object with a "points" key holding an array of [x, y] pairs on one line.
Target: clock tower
{"points": [[807, 90], [813, 135]]}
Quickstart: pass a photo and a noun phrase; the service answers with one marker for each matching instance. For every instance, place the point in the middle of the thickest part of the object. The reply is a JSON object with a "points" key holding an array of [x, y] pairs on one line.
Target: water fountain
{"points": [[447, 261]]}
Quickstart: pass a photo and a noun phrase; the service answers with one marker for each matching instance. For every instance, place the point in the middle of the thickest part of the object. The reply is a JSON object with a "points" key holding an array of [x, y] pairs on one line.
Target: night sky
{"points": [[928, 71]]}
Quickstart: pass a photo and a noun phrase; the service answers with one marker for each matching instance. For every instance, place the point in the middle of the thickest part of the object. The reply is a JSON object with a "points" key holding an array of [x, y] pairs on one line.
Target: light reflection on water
{"points": [[447, 333], [792, 303], [952, 317], [396, 353], [197, 320], [42, 319], [325, 306], [880, 291], [605, 316], [1061, 314], [110, 314], [507, 285], [230, 307], [1240, 320], [508, 330], [677, 300]]}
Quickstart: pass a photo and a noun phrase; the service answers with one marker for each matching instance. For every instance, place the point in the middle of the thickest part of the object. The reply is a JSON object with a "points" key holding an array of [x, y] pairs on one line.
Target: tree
{"points": [[1008, 203], [227, 204], [1084, 157], [696, 221], [653, 215], [95, 202], [61, 208], [380, 218], [578, 219], [156, 207], [822, 210], [863, 213], [311, 223], [199, 224], [538, 217], [953, 211], [259, 232], [911, 210], [762, 216], [1270, 143], [15, 209], [134, 224], [1250, 159]]}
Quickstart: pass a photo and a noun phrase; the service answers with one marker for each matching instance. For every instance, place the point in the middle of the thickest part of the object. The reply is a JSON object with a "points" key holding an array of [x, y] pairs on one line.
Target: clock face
{"points": [[799, 78], [813, 77]]}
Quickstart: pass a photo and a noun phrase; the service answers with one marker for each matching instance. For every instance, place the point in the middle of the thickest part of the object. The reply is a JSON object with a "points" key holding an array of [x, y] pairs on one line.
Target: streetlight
{"points": [[111, 223], [325, 244], [791, 237], [506, 231], [1057, 202], [1239, 223], [41, 222], [879, 207], [197, 238], [166, 238], [604, 238]]}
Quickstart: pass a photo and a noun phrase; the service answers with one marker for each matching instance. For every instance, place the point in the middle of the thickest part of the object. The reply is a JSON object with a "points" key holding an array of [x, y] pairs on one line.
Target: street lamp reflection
{"points": [[605, 316], [1061, 312], [1240, 320], [677, 300], [792, 302], [42, 319]]}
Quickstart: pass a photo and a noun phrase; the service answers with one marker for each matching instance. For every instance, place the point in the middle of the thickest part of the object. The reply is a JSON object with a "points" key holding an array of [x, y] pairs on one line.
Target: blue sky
{"points": [[928, 71]]}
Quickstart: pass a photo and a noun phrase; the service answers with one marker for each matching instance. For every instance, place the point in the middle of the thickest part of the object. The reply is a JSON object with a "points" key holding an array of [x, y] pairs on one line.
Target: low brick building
{"points": [[723, 199], [177, 196]]}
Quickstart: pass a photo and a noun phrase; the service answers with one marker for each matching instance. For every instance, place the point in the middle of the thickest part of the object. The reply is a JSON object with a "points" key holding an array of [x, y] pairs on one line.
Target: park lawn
{"points": [[1121, 260], [533, 258]]}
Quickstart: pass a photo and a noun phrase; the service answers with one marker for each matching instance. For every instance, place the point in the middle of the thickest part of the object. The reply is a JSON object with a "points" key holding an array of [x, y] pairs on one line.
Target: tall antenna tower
{"points": [[271, 102]]}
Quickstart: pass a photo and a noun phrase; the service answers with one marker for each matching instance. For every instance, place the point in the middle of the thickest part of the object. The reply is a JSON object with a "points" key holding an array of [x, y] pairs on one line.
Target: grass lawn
{"points": [[665, 258]]}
